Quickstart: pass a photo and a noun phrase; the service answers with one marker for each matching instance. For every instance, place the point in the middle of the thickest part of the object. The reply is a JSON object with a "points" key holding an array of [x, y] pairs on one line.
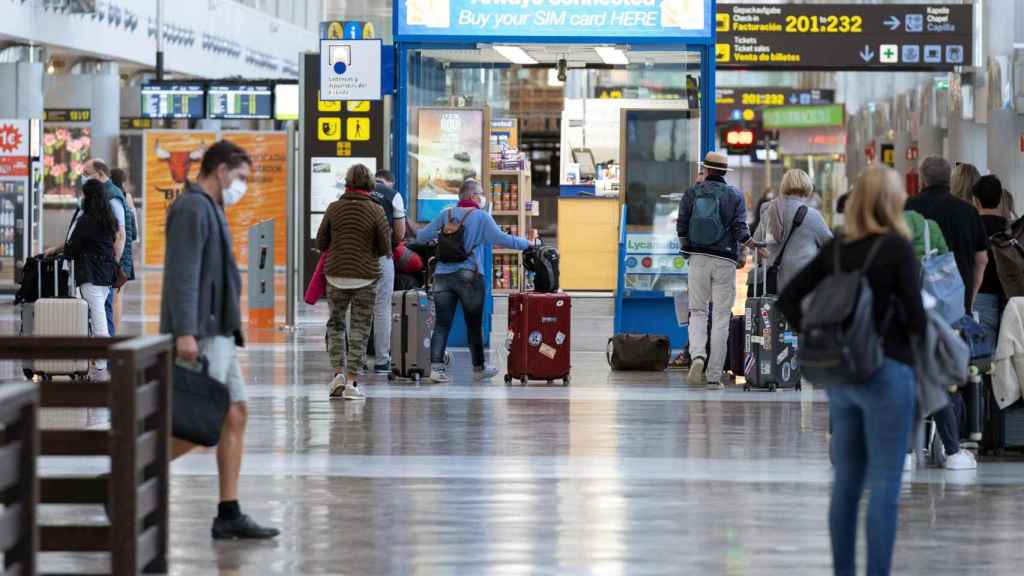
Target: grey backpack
{"points": [[839, 342]]}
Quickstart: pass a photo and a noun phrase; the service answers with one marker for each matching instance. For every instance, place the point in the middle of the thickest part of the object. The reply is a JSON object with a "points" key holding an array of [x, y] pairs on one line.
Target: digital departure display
{"points": [[844, 36], [239, 101], [185, 100]]}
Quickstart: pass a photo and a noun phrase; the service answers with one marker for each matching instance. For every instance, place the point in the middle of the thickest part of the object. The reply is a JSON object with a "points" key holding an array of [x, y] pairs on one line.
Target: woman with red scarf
{"points": [[356, 232], [458, 278]]}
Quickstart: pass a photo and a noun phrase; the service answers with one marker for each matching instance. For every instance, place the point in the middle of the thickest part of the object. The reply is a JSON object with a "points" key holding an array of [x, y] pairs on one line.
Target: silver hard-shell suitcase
{"points": [[56, 317], [412, 323]]}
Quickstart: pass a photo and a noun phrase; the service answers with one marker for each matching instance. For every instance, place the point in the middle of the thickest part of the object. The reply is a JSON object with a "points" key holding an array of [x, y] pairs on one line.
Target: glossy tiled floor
{"points": [[616, 474]]}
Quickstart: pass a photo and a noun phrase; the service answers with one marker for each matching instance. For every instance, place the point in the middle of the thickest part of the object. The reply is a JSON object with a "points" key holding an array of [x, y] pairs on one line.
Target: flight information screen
{"points": [[249, 101], [173, 101]]}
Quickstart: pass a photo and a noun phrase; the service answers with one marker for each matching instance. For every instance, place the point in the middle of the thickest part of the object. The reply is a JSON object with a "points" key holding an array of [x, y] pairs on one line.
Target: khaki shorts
{"points": [[221, 353]]}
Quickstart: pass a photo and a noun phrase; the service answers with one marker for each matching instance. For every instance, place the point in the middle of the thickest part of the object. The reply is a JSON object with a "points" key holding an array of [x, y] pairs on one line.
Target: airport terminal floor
{"points": [[627, 473]]}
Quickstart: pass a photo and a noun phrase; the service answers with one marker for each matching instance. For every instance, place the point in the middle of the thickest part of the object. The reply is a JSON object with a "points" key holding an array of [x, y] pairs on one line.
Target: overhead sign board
{"points": [[517, 19], [350, 70], [803, 116], [745, 104], [844, 36], [67, 115]]}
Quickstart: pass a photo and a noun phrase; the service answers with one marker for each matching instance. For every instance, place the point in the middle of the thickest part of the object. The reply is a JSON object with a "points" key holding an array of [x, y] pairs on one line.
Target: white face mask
{"points": [[233, 193], [481, 201]]}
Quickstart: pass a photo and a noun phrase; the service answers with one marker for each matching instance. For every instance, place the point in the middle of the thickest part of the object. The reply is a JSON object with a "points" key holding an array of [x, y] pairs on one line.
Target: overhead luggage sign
{"points": [[803, 116], [517, 19], [844, 36]]}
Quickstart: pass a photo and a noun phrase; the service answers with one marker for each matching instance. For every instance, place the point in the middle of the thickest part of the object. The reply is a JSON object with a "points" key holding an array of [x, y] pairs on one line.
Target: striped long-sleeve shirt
{"points": [[356, 232]]}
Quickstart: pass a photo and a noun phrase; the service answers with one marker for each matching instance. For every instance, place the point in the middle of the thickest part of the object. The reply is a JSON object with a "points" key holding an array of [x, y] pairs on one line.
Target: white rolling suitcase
{"points": [[56, 317]]}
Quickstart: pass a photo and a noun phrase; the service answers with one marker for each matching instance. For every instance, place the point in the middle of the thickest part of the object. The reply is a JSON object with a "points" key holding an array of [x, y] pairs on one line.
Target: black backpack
{"points": [[451, 247], [839, 342], [543, 262]]}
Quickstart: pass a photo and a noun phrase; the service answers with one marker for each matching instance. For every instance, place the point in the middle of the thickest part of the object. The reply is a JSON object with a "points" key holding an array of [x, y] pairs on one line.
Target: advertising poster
{"points": [[65, 148], [327, 180], [173, 157], [449, 149], [266, 197]]}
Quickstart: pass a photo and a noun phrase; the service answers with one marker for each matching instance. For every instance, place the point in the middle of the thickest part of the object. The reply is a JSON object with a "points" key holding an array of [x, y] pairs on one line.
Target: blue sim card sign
{"points": [[519, 19], [350, 69]]}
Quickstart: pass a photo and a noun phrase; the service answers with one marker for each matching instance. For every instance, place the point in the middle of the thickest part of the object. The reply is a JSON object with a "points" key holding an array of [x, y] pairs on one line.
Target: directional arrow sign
{"points": [[893, 23], [866, 54]]}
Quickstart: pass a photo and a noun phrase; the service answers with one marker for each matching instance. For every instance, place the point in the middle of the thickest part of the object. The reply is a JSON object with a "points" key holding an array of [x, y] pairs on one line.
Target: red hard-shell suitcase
{"points": [[538, 337]]}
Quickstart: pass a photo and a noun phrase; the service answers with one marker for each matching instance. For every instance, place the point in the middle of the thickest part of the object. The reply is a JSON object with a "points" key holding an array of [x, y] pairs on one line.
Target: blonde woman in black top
{"points": [[871, 421]]}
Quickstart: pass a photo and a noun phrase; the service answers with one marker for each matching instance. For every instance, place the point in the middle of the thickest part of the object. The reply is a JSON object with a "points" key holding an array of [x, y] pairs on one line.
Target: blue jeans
{"points": [[465, 287], [110, 311], [871, 426], [988, 307]]}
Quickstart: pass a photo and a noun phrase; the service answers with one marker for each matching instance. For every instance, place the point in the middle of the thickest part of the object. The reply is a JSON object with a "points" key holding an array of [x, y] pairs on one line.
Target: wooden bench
{"points": [[19, 444], [135, 492]]}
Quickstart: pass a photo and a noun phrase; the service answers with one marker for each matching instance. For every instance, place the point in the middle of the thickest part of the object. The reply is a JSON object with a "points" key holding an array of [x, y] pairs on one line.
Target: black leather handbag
{"points": [[199, 404], [648, 352]]}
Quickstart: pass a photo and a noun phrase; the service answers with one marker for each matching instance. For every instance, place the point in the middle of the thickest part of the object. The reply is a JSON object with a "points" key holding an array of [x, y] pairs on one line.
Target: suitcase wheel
{"points": [[772, 387], [550, 382], [746, 387], [565, 380], [798, 387], [508, 378], [28, 373]]}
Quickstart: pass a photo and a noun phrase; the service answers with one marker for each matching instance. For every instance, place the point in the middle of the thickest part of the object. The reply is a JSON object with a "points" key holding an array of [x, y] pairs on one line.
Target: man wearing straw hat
{"points": [[712, 225]]}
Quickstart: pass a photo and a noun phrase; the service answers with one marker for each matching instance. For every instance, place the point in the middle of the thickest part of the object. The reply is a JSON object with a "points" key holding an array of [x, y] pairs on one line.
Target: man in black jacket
{"points": [[201, 308], [394, 209]]}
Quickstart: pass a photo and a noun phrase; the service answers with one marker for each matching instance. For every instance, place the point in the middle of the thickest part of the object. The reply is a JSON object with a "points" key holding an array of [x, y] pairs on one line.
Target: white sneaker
{"points": [[908, 462], [352, 392], [338, 385], [962, 460], [696, 375], [439, 375], [485, 373], [98, 375]]}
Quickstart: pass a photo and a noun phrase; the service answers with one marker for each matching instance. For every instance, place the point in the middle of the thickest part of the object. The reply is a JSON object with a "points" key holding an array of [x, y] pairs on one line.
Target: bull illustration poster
{"points": [[172, 157]]}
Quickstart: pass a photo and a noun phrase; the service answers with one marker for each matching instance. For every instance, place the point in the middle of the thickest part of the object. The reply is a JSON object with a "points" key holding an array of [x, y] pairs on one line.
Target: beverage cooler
{"points": [[15, 200]]}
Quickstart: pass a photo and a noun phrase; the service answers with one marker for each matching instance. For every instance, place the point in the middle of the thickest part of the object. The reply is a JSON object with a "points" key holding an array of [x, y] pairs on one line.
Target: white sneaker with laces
{"points": [[485, 373], [962, 460], [439, 375], [98, 375], [696, 375], [338, 385], [352, 392]]}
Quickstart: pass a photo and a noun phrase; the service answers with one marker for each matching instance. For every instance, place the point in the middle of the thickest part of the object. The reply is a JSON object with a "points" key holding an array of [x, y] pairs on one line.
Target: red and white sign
{"points": [[14, 148]]}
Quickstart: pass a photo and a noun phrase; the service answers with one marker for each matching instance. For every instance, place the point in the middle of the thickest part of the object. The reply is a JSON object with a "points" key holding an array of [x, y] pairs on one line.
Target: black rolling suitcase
{"points": [[770, 361]]}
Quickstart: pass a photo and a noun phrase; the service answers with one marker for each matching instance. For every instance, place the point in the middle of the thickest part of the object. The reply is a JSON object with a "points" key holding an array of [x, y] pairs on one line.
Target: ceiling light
{"points": [[514, 54], [611, 55]]}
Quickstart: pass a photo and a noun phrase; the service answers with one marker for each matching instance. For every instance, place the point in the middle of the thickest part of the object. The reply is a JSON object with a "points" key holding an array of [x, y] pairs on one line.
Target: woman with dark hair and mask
{"points": [[91, 244]]}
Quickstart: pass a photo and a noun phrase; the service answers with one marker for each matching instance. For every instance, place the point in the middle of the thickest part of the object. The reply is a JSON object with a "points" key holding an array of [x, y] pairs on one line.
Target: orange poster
{"points": [[266, 196], [173, 156]]}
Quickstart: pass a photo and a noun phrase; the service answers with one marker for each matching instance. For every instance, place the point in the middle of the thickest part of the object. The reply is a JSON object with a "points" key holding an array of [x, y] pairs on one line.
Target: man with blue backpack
{"points": [[712, 225]]}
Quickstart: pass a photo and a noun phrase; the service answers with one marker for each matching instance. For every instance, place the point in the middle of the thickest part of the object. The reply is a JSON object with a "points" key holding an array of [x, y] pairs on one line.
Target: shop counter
{"points": [[588, 233]]}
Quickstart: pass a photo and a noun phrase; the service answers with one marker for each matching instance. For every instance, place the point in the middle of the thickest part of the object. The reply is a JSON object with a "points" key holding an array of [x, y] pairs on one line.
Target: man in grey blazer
{"points": [[201, 309]]}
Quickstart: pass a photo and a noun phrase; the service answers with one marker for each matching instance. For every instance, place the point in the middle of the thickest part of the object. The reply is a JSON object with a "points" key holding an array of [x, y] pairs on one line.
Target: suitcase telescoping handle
{"points": [[763, 273]]}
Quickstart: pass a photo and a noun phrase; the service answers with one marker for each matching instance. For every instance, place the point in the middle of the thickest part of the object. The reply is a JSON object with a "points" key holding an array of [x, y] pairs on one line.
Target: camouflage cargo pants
{"points": [[361, 301]]}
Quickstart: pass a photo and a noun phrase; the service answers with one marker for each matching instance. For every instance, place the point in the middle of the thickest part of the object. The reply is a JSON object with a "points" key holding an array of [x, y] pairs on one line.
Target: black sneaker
{"points": [[241, 528]]}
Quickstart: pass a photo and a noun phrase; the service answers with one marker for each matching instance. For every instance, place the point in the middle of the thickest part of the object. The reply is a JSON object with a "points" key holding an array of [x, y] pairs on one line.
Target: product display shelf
{"points": [[509, 195]]}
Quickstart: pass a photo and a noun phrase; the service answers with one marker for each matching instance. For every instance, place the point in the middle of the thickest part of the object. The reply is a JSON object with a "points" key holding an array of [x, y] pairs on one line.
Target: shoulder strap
{"points": [[871, 254], [927, 239], [801, 213]]}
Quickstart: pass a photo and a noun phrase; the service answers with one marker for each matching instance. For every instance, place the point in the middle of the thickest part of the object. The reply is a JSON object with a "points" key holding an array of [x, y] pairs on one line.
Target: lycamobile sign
{"points": [[546, 18], [651, 244], [803, 116]]}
